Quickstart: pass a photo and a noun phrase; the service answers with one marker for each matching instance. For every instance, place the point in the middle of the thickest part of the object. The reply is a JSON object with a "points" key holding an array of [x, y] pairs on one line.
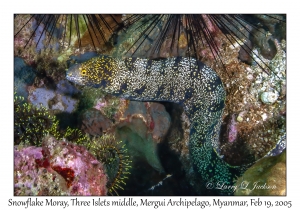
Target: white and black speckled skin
{"points": [[181, 80]]}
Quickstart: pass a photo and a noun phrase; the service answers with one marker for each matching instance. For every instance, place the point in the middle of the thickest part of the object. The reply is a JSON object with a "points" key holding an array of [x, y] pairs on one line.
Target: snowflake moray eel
{"points": [[186, 81]]}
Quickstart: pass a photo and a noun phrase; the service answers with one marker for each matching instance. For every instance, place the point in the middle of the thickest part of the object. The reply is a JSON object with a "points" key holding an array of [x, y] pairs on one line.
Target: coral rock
{"points": [[141, 126], [144, 125], [23, 76], [58, 168], [52, 99], [160, 121], [32, 176], [94, 122], [269, 97], [266, 177]]}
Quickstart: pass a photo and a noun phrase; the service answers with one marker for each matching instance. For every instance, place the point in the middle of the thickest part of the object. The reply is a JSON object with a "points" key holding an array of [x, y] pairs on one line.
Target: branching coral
{"points": [[74, 135], [32, 123]]}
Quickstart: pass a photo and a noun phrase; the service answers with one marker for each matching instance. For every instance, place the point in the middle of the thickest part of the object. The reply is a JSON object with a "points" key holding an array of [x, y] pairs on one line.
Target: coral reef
{"points": [[32, 178], [30, 128], [140, 125], [52, 100], [28, 118], [259, 126], [49, 62], [253, 72], [23, 76], [113, 154], [84, 32], [32, 123], [89, 97], [94, 122], [188, 82], [265, 42], [58, 168]]}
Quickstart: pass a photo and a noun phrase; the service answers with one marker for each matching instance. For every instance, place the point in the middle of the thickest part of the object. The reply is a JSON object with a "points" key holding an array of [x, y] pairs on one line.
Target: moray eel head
{"points": [[77, 74], [95, 72]]}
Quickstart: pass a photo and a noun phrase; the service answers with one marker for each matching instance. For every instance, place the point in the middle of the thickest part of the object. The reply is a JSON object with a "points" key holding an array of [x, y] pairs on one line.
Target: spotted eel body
{"points": [[186, 81]]}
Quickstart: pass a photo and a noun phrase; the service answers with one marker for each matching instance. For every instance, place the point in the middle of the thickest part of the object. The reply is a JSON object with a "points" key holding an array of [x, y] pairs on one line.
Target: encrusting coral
{"points": [[33, 123], [57, 168]]}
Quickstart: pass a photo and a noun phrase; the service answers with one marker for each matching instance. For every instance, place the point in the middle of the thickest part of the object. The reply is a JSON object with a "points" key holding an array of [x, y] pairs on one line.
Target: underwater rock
{"points": [[23, 71], [32, 176], [266, 177], [269, 97], [94, 122], [81, 57], [87, 173], [57, 168], [41, 96], [55, 100], [270, 21], [65, 88], [155, 120], [265, 41], [140, 125], [160, 121], [244, 56], [23, 76]]}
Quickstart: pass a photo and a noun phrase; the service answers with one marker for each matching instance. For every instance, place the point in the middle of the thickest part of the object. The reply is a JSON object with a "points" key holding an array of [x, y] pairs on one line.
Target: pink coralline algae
{"points": [[232, 129], [57, 168], [100, 104]]}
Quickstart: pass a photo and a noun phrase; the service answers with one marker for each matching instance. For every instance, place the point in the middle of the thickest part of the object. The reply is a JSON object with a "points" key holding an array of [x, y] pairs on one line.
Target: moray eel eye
{"points": [[82, 71]]}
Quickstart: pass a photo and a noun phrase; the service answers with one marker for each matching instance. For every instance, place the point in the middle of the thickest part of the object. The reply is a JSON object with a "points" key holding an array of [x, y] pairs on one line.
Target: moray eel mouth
{"points": [[74, 74]]}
